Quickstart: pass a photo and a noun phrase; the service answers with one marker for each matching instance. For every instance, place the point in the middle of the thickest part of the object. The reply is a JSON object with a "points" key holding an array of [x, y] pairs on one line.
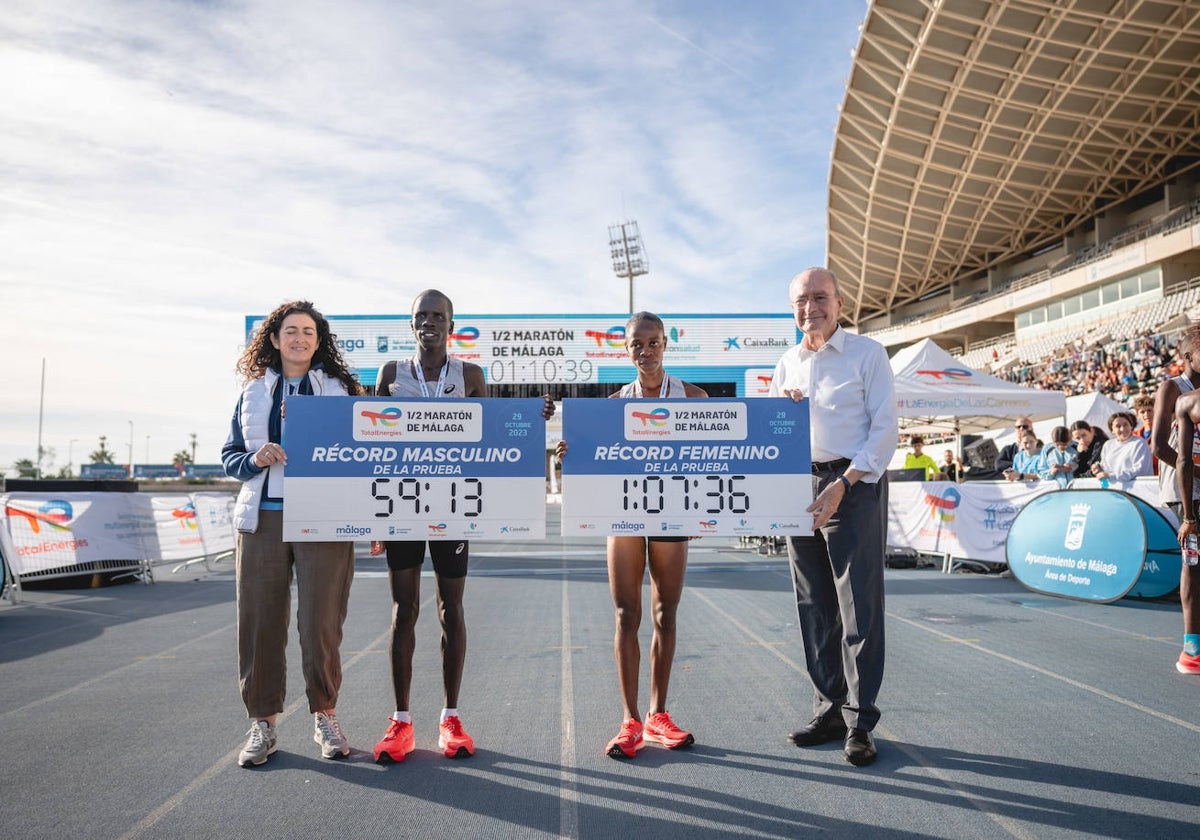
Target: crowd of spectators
{"points": [[1119, 368]]}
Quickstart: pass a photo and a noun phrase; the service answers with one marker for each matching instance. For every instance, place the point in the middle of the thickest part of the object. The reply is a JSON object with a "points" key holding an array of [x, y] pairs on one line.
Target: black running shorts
{"points": [[449, 556]]}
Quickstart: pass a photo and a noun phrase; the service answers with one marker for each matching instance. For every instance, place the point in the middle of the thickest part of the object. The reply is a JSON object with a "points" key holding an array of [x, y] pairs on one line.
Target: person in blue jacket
{"points": [[292, 354]]}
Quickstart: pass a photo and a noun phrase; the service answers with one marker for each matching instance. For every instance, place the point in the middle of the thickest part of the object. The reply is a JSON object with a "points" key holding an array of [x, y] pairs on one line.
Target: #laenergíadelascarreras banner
{"points": [[676, 467], [385, 468]]}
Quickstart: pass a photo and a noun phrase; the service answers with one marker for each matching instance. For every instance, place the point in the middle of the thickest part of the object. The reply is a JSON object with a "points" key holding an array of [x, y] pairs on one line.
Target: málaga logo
{"points": [[1075, 527]]}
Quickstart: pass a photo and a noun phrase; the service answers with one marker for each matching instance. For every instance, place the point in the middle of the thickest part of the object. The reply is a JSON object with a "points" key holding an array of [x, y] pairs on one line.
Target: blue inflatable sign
{"points": [[1160, 572], [1090, 545]]}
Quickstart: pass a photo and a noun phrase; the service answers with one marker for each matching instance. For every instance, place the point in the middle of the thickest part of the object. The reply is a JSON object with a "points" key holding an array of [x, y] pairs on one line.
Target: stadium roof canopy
{"points": [[977, 131]]}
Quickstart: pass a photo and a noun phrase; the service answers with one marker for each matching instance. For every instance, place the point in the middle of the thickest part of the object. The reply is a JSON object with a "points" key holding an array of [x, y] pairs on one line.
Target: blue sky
{"points": [[167, 168]]}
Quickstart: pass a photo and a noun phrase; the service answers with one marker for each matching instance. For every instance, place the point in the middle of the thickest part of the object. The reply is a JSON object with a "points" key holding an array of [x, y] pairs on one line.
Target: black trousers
{"points": [[837, 575]]}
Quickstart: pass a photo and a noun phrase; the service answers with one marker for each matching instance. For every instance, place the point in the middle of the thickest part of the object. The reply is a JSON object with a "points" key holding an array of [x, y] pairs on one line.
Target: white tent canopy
{"points": [[1095, 408], [935, 391]]}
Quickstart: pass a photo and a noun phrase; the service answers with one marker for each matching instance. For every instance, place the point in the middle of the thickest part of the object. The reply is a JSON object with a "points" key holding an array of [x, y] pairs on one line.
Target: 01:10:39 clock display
{"points": [[650, 494], [470, 499]]}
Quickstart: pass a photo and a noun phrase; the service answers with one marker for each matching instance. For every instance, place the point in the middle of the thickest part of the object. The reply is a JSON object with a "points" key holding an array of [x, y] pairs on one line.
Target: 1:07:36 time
{"points": [[723, 498]]}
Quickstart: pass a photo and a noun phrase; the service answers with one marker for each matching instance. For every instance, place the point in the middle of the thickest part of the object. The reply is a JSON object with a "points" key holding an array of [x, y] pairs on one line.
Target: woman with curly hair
{"points": [[293, 353]]}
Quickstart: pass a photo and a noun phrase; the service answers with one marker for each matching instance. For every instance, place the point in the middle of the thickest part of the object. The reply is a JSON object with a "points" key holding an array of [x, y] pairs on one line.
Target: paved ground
{"points": [[1006, 714]]}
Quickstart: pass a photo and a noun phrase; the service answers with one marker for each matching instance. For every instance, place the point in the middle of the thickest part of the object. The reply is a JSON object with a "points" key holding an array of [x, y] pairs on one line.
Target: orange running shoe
{"points": [[628, 740], [397, 743], [453, 740], [662, 730], [1188, 664]]}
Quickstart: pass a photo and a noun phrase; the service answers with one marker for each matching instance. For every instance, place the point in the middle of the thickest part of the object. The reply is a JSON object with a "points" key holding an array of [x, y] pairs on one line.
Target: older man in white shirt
{"points": [[837, 573]]}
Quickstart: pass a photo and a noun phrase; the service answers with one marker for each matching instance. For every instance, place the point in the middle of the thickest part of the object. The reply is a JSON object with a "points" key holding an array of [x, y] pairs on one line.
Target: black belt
{"points": [[840, 465]]}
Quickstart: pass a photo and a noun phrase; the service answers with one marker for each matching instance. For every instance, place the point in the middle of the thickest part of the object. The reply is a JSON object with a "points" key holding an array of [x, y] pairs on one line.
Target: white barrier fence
{"points": [[46, 535], [968, 523]]}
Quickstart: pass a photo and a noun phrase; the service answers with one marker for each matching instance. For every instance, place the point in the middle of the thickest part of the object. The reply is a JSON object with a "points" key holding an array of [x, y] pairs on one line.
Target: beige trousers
{"points": [[323, 573]]}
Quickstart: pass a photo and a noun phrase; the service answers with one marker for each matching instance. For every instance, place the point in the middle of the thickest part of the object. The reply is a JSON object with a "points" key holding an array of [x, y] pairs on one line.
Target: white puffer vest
{"points": [[255, 421]]}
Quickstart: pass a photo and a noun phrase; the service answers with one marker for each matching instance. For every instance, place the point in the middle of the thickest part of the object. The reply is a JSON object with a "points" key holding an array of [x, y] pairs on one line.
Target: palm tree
{"points": [[103, 455], [181, 459]]}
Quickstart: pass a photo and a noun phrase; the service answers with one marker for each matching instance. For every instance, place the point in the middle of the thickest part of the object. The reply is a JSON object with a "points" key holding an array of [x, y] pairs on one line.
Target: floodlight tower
{"points": [[628, 253]]}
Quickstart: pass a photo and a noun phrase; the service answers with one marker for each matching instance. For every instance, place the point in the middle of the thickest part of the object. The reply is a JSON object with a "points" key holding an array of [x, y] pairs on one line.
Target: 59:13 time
{"points": [[467, 498]]}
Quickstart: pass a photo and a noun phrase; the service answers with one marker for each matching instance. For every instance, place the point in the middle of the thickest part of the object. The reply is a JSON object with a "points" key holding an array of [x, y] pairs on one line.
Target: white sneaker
{"points": [[328, 733], [260, 743]]}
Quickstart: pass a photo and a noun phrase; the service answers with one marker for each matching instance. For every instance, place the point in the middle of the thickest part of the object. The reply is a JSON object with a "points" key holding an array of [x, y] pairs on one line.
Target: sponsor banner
{"points": [[214, 514], [385, 468], [100, 471], [43, 531], [553, 349], [757, 381], [204, 471], [686, 467], [177, 528], [156, 471], [973, 520], [962, 520]]}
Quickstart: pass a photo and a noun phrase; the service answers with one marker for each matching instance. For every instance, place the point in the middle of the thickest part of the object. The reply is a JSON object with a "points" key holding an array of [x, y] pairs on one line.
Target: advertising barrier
{"points": [[1093, 545], [45, 535], [972, 521]]}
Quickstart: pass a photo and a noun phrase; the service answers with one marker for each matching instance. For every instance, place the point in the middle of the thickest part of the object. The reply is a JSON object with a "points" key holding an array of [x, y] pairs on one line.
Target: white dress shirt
{"points": [[852, 401]]}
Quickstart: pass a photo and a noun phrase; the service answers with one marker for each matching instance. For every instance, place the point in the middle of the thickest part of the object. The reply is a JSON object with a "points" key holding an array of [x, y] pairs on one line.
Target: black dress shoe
{"points": [[860, 747], [820, 730]]}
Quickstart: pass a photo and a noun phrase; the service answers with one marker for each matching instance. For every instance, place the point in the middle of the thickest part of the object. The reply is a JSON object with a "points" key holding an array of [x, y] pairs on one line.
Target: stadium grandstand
{"points": [[1020, 181]]}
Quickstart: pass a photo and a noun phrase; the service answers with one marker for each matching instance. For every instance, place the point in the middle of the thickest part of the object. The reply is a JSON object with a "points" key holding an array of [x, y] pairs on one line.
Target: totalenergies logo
{"points": [[388, 417], [948, 373], [439, 528], [613, 336], [55, 514], [186, 514], [940, 506], [464, 339], [708, 524], [657, 418]]}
